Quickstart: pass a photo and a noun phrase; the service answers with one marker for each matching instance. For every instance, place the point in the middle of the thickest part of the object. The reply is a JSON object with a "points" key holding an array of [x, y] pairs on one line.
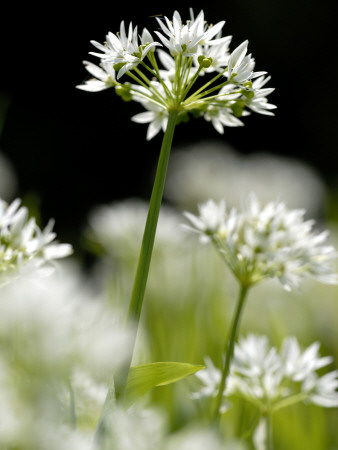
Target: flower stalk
{"points": [[269, 430], [151, 223], [142, 271], [229, 350]]}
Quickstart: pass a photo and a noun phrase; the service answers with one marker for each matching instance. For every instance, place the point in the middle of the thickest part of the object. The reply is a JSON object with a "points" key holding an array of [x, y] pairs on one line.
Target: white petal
{"points": [[144, 117]]}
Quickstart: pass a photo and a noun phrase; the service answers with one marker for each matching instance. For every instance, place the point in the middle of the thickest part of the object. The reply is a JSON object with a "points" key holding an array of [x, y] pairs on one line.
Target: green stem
{"points": [[288, 401], [118, 385], [153, 62], [201, 89], [269, 441], [72, 407], [142, 270], [209, 91], [151, 223], [229, 350], [146, 84], [190, 85], [102, 425]]}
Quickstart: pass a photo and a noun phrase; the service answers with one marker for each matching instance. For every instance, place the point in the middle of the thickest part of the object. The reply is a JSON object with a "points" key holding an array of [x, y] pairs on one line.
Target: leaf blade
{"points": [[144, 377]]}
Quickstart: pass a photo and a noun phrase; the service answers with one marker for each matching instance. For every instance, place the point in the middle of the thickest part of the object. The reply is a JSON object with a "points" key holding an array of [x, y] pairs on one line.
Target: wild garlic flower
{"points": [[217, 53], [155, 114], [185, 38], [271, 378], [23, 246], [199, 437], [118, 228], [213, 169], [210, 220], [266, 241], [124, 50], [162, 74], [104, 77], [56, 332]]}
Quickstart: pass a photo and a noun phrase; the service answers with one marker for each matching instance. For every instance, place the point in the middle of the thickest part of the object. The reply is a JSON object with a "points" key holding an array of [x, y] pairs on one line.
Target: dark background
{"points": [[72, 149]]}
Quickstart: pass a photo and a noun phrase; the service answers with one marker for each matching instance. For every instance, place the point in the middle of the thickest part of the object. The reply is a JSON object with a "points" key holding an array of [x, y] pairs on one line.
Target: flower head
{"points": [[58, 340], [267, 241], [163, 80], [274, 379], [23, 246]]}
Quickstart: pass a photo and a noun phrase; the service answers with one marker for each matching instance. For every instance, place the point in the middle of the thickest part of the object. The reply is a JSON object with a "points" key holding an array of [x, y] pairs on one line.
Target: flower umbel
{"points": [[164, 79], [267, 241], [274, 379], [23, 246]]}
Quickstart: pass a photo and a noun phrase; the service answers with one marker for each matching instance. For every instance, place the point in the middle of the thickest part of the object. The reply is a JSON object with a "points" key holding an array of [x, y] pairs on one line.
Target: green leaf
{"points": [[142, 378]]}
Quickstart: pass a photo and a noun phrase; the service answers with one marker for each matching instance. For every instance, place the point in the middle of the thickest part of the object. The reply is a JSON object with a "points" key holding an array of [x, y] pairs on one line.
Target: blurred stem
{"points": [[269, 442], [108, 406], [72, 407], [141, 276], [229, 350]]}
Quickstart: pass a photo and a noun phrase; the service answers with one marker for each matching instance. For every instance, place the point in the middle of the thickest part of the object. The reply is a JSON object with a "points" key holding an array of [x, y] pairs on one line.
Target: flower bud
{"points": [[204, 62]]}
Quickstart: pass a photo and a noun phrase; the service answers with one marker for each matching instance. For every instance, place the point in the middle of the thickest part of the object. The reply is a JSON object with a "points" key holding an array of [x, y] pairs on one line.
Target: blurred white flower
{"points": [[45, 310], [24, 248], [136, 429], [210, 377], [114, 234], [297, 364], [119, 226], [214, 170], [147, 429], [210, 219], [59, 346], [273, 379], [198, 437], [322, 391], [269, 241], [260, 435]]}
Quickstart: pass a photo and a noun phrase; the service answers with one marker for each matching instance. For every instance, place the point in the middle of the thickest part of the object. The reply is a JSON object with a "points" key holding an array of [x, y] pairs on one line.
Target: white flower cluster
{"points": [[147, 429], [274, 379], [59, 345], [266, 241], [194, 49], [214, 169], [118, 227], [23, 246]]}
